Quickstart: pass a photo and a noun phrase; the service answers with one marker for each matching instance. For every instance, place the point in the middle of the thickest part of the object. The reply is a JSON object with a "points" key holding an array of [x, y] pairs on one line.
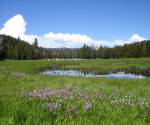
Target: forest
{"points": [[12, 48]]}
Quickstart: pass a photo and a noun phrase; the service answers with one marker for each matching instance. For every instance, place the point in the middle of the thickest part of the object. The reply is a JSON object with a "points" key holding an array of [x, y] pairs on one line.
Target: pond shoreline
{"points": [[131, 70], [118, 75]]}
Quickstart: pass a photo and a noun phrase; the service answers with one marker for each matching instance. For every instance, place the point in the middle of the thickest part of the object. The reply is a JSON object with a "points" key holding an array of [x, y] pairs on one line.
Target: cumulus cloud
{"points": [[136, 38], [16, 27], [68, 39]]}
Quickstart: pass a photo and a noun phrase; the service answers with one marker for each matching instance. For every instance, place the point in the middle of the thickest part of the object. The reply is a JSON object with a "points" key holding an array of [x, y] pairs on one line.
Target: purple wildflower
{"points": [[52, 106], [18, 74], [87, 106]]}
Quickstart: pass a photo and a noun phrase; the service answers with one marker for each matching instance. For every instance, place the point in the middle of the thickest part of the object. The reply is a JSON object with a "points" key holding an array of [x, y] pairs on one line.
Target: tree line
{"points": [[133, 50], [12, 48]]}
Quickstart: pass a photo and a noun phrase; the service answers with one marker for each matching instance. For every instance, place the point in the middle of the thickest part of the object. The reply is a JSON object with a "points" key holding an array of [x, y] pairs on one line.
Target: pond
{"points": [[61, 72]]}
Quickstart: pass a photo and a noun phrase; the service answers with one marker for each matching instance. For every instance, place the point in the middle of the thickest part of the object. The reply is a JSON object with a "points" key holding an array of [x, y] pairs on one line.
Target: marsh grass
{"points": [[91, 101]]}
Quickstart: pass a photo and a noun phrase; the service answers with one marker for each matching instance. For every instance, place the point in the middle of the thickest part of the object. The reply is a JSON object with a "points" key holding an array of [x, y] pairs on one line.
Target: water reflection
{"points": [[91, 74]]}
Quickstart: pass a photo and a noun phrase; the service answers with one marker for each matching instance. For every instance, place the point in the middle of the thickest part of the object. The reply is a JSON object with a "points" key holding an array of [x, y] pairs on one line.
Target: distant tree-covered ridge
{"points": [[133, 50], [12, 48]]}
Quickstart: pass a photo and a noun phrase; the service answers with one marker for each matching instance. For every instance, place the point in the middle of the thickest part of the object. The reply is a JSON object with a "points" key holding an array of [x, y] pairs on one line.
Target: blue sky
{"points": [[101, 20]]}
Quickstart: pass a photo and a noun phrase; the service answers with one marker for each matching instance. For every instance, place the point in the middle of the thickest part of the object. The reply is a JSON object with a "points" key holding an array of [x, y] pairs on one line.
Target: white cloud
{"points": [[136, 37], [29, 38], [16, 26], [68, 40]]}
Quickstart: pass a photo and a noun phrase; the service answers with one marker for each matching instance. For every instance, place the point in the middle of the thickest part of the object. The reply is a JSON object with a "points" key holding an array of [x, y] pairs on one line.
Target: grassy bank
{"points": [[27, 98], [135, 65], [104, 66]]}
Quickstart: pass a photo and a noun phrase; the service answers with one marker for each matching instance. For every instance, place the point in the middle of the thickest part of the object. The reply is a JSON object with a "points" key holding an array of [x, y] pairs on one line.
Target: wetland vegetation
{"points": [[26, 97]]}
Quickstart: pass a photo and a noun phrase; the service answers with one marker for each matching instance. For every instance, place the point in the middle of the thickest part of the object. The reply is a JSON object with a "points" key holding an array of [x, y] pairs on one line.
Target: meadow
{"points": [[28, 98]]}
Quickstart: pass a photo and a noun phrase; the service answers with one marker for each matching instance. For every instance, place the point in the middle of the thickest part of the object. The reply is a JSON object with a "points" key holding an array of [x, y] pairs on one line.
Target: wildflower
{"points": [[52, 106], [18, 74], [142, 103], [87, 106]]}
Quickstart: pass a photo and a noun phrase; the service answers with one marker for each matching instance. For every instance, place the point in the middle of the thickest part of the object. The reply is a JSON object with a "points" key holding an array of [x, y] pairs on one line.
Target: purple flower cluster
{"points": [[18, 74], [64, 93], [52, 106], [118, 98], [87, 106]]}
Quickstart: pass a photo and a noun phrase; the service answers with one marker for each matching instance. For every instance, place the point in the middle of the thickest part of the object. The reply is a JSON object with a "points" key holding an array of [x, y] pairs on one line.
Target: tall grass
{"points": [[112, 101]]}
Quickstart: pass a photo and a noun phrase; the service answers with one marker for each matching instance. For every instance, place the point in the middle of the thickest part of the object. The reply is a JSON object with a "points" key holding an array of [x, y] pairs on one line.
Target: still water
{"points": [[91, 74]]}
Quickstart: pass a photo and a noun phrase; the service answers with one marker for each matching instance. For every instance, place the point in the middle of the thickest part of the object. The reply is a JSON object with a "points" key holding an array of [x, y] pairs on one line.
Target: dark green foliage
{"points": [[85, 52], [2, 51], [35, 44], [12, 48], [134, 50]]}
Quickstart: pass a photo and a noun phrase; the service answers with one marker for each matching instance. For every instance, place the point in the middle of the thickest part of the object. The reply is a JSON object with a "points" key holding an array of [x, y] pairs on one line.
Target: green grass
{"points": [[103, 66], [105, 95]]}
